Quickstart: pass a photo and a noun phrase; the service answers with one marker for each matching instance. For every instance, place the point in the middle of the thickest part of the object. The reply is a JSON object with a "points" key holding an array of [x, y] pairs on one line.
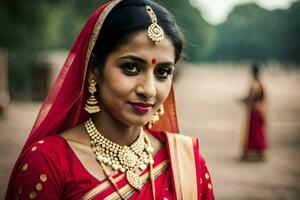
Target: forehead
{"points": [[140, 45]]}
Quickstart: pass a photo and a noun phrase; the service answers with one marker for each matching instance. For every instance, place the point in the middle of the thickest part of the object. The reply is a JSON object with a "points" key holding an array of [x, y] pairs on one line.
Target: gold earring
{"points": [[155, 117], [91, 104]]}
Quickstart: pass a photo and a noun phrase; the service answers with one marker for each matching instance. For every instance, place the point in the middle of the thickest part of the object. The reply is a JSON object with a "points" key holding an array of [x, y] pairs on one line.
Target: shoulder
{"points": [[176, 140], [48, 146], [52, 141], [75, 135], [46, 153], [164, 135], [181, 139], [40, 173], [180, 145], [185, 144]]}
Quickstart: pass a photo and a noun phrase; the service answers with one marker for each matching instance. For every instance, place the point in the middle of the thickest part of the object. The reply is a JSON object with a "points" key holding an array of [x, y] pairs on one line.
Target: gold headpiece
{"points": [[155, 32]]}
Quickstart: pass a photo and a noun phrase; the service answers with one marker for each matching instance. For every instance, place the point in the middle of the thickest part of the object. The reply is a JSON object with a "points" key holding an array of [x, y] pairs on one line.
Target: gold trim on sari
{"points": [[96, 32], [126, 190], [183, 165]]}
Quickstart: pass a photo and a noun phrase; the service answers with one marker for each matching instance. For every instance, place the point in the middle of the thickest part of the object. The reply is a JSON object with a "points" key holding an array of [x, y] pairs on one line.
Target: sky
{"points": [[216, 11]]}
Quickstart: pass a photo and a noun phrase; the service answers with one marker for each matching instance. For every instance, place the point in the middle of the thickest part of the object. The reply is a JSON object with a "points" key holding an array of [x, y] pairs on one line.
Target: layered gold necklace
{"points": [[126, 159]]}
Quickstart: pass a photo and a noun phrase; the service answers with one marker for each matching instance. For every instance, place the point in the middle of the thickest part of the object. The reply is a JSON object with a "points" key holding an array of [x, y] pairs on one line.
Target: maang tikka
{"points": [[91, 105], [155, 32], [155, 117]]}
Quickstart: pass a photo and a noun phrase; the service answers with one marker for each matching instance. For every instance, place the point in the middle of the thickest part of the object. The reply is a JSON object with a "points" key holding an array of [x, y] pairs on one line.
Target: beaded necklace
{"points": [[126, 159]]}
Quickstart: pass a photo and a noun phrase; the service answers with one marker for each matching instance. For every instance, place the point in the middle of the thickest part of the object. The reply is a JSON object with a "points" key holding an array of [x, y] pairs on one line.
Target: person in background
{"points": [[255, 142], [108, 128]]}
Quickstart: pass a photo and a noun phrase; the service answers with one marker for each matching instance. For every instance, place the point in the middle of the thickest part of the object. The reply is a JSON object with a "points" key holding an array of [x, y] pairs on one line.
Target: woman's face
{"points": [[137, 79]]}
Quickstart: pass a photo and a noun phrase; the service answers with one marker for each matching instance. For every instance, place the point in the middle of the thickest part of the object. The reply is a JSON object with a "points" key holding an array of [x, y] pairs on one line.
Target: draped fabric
{"points": [[255, 137], [68, 179], [199, 185], [63, 108], [51, 170], [47, 168], [256, 134]]}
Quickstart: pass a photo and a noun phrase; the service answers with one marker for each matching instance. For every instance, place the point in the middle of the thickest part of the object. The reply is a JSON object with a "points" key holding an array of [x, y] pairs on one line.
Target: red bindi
{"points": [[153, 61]]}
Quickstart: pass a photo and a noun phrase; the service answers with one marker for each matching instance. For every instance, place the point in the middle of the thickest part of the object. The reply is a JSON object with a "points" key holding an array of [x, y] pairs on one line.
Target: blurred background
{"points": [[222, 38]]}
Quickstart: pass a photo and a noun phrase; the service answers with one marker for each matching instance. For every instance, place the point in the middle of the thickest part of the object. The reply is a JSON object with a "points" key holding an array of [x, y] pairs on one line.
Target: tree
{"points": [[33, 26], [251, 32]]}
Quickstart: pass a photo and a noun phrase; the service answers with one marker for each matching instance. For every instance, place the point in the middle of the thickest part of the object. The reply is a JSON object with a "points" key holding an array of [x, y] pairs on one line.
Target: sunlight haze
{"points": [[216, 11]]}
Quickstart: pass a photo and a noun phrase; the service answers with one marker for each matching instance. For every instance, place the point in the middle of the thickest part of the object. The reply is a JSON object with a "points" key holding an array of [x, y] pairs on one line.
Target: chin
{"points": [[137, 121]]}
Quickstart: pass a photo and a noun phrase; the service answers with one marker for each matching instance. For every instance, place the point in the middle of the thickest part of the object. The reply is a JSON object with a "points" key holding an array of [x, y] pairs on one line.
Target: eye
{"points": [[130, 68], [164, 72]]}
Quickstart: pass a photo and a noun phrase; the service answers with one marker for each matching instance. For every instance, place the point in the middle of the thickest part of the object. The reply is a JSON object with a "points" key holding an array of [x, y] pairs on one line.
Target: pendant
{"points": [[127, 157], [134, 180]]}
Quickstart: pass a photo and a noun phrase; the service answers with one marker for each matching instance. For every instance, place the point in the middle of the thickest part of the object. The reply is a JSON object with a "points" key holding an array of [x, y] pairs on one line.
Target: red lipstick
{"points": [[142, 107]]}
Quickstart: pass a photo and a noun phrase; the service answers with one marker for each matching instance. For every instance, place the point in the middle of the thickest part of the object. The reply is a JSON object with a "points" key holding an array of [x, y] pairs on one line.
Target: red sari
{"points": [[47, 168], [51, 170], [255, 140]]}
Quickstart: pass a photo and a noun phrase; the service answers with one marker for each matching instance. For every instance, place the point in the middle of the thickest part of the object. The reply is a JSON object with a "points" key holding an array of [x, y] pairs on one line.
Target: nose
{"points": [[146, 86]]}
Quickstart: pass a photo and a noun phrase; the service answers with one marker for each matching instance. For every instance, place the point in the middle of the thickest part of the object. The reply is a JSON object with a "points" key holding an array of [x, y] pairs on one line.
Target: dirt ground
{"points": [[207, 99]]}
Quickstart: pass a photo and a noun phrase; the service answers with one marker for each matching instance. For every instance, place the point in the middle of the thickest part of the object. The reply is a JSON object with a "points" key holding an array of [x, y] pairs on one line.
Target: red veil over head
{"points": [[64, 106]]}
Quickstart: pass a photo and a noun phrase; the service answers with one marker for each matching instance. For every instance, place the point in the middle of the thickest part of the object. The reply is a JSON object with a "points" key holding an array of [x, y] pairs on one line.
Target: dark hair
{"points": [[255, 68], [129, 17]]}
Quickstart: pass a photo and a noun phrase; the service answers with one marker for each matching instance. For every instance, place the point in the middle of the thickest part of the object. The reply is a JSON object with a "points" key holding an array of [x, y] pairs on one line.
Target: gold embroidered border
{"points": [[103, 186], [127, 190], [95, 34], [183, 165], [91, 194]]}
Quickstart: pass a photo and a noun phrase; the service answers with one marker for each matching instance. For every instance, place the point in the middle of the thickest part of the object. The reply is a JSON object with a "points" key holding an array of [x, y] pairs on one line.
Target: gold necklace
{"points": [[126, 159]]}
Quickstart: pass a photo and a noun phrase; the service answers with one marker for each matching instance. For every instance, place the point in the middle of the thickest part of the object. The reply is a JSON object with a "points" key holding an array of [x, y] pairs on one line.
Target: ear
{"points": [[93, 74]]}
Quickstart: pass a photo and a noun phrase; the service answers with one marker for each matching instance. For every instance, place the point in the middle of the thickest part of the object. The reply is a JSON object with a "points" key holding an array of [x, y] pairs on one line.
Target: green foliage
{"points": [[67, 18], [251, 32], [22, 24], [29, 27], [198, 34]]}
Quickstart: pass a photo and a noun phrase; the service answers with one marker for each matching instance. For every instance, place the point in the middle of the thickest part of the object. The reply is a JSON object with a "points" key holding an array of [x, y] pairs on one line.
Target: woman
{"points": [[255, 141], [95, 136]]}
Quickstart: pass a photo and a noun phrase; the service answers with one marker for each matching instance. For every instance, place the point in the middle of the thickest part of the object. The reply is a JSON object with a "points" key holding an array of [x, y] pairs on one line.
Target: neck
{"points": [[116, 131]]}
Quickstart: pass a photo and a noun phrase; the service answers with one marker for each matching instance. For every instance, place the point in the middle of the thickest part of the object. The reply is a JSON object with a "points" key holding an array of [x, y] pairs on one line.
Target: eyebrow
{"points": [[142, 61]]}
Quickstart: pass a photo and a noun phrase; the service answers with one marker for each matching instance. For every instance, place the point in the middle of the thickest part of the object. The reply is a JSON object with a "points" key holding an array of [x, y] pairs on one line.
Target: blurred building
{"points": [[4, 94], [45, 71]]}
